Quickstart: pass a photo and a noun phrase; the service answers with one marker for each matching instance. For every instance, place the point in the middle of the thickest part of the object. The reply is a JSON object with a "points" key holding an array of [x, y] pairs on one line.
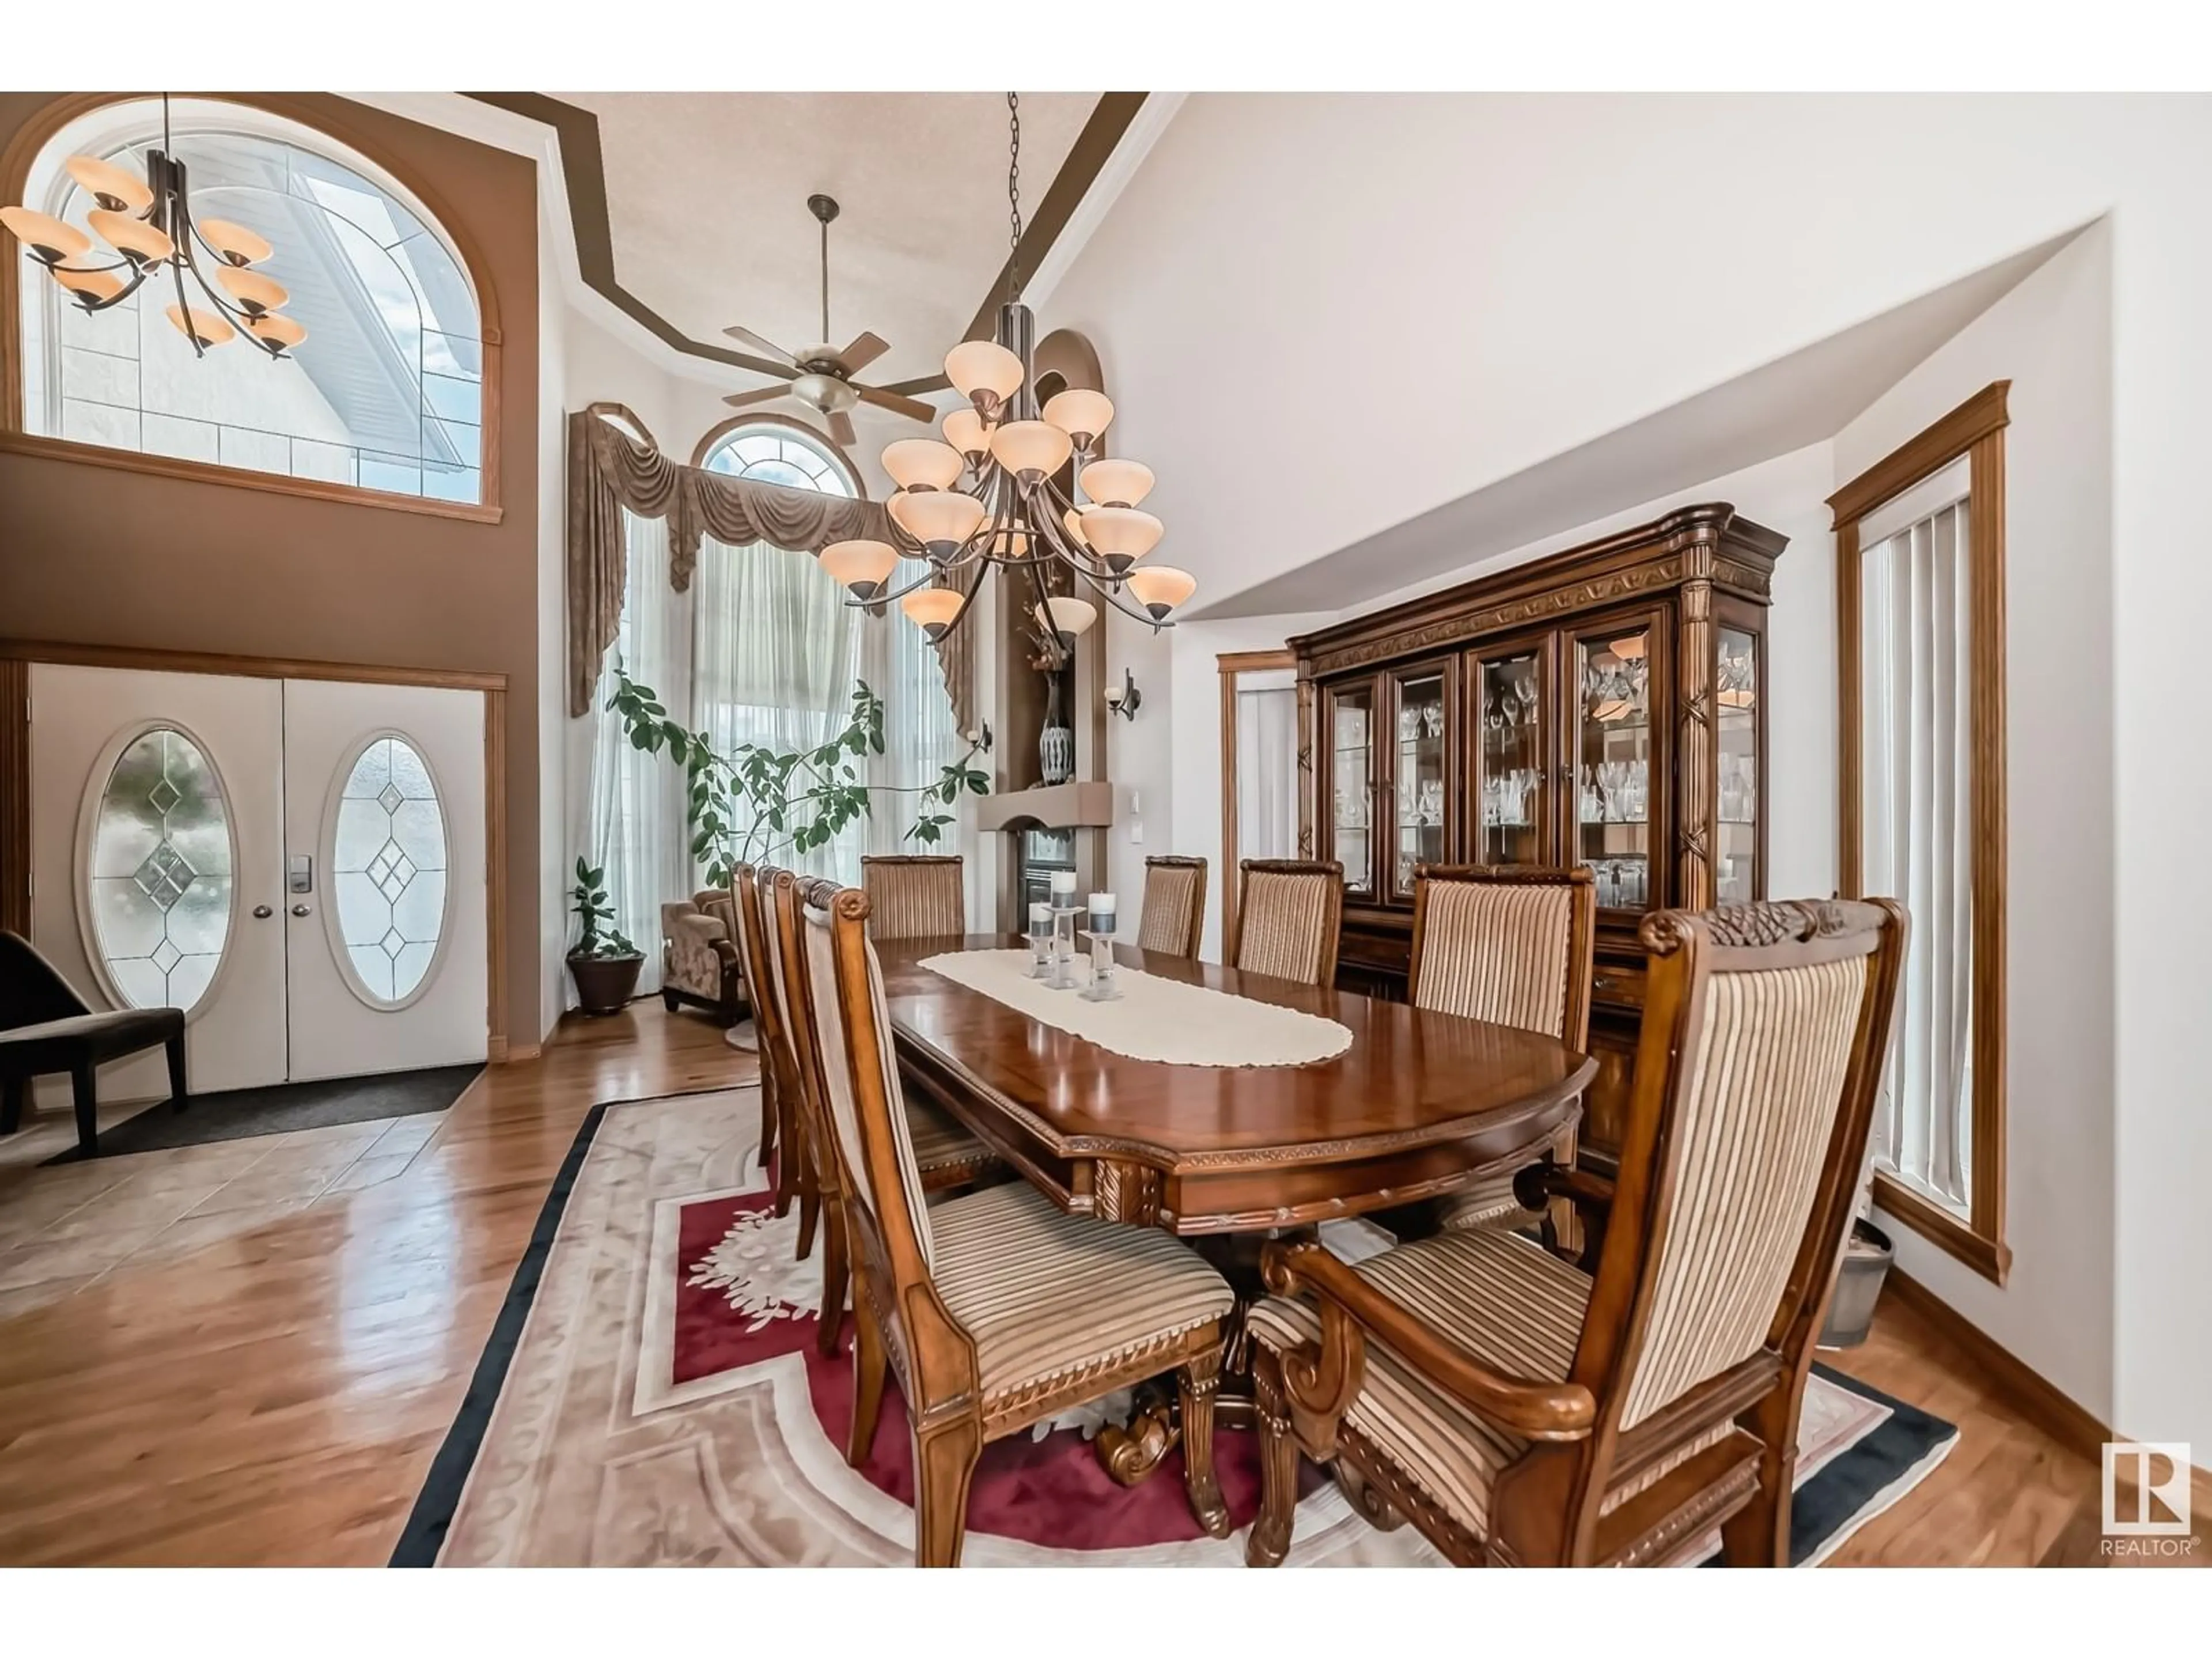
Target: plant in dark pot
{"points": [[603, 963]]}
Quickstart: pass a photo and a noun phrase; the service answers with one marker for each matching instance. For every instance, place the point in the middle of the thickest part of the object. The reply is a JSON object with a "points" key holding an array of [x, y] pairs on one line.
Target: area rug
{"points": [[242, 1114], [651, 1395]]}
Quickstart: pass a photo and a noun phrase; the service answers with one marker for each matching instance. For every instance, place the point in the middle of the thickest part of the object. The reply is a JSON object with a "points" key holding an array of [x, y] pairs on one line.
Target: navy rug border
{"points": [[1823, 1505]]}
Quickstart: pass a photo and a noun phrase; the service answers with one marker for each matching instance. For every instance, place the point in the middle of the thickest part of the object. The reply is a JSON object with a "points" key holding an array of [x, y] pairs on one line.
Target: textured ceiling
{"points": [[707, 204]]}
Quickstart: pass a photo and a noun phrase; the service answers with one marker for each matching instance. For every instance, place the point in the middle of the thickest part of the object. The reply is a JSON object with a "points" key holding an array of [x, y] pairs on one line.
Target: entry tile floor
{"points": [[69, 1225]]}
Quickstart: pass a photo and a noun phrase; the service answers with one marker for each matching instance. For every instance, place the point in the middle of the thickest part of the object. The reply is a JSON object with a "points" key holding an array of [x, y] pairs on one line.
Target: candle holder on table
{"points": [[1064, 913], [1040, 937], [1103, 987]]}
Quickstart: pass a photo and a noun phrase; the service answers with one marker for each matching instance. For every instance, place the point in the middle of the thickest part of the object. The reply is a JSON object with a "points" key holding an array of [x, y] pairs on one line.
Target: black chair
{"points": [[46, 1028]]}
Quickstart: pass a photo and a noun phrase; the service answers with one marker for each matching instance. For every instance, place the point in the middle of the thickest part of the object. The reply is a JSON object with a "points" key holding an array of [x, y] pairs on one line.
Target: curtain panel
{"points": [[610, 471]]}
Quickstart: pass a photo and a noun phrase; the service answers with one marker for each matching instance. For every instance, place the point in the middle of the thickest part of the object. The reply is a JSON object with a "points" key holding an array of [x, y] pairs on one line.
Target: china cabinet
{"points": [[1605, 706]]}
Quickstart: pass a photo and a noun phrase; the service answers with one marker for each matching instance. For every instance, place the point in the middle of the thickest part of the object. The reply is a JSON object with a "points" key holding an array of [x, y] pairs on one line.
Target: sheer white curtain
{"points": [[1267, 766], [1917, 818], [776, 651], [637, 831]]}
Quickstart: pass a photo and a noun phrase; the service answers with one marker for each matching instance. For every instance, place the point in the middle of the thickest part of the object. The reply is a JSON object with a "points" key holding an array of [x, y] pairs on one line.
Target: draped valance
{"points": [[609, 470]]}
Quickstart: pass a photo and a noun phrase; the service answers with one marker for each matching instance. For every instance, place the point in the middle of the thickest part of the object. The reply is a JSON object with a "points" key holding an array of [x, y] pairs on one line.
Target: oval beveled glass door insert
{"points": [[159, 869], [389, 868]]}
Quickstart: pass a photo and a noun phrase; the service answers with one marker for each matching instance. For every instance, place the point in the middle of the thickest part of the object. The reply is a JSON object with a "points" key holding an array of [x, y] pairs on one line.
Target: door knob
{"points": [[262, 913], [300, 909]]}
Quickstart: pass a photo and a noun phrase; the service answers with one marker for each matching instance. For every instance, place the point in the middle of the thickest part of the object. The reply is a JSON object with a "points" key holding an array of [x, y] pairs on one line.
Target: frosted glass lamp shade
{"points": [[1030, 449], [237, 245], [984, 369], [276, 330], [923, 463], [148, 244], [252, 290], [114, 186], [1065, 615], [45, 235], [211, 328], [965, 431], [1121, 535], [862, 566], [1073, 519], [1160, 588], [941, 519], [932, 609], [1117, 484], [94, 285], [1080, 414]]}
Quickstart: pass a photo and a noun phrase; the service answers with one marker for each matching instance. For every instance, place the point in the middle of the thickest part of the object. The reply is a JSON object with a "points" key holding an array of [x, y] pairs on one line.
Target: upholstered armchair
{"points": [[1519, 1411], [699, 961], [998, 1310], [946, 1156], [1175, 906], [915, 895], [1514, 945], [1289, 914]]}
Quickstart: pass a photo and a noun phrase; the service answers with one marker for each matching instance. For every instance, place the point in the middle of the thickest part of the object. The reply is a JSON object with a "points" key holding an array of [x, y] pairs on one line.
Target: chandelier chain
{"points": [[1014, 195]]}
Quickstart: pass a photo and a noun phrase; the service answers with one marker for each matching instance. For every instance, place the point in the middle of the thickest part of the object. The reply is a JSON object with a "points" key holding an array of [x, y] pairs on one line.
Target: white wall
{"points": [[2053, 338], [1526, 273], [556, 328]]}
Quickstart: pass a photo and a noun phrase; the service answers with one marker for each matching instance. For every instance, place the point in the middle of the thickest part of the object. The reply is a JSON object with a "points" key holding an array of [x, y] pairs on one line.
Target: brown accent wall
{"points": [[96, 555]]}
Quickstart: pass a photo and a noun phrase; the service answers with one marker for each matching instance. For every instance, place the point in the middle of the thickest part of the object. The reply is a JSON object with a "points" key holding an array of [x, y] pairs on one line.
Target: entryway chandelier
{"points": [[986, 495], [149, 223]]}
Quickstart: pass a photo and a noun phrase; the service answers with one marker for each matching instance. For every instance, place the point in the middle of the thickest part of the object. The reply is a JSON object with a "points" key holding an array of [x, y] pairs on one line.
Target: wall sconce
{"points": [[1124, 699]]}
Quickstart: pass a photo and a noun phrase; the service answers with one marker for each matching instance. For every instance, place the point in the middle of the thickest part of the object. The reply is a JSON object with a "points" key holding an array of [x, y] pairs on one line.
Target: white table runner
{"points": [[1159, 1019]]}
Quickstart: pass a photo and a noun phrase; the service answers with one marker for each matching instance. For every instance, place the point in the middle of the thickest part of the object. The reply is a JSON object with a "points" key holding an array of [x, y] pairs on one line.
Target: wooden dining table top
{"points": [[1421, 1104]]}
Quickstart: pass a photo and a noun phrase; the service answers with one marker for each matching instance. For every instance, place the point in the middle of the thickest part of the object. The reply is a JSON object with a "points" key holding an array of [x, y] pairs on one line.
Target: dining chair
{"points": [[1289, 913], [1514, 944], [996, 1310], [779, 1067], [915, 895], [947, 1157], [1175, 906], [1520, 1412]]}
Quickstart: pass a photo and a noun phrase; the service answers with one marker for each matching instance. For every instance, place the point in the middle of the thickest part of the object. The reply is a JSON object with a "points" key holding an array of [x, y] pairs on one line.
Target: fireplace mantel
{"points": [[1080, 805]]}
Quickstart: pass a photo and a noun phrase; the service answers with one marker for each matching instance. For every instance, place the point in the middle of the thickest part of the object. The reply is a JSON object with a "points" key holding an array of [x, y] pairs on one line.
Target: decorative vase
{"points": [[1057, 748]]}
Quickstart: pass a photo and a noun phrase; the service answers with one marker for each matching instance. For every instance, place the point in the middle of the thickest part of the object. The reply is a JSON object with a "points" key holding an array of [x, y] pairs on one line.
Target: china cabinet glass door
{"points": [[1420, 772], [1509, 705], [1613, 786], [1738, 679], [1350, 728]]}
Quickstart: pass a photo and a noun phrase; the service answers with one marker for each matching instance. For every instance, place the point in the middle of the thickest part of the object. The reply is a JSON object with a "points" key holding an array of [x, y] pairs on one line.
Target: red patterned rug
{"points": [[654, 1394]]}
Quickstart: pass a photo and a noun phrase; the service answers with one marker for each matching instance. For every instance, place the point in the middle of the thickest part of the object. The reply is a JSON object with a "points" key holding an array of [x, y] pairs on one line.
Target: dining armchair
{"points": [[996, 1310], [915, 895], [1520, 1412], [1514, 944], [779, 1065], [1290, 913], [1175, 906], [946, 1156]]}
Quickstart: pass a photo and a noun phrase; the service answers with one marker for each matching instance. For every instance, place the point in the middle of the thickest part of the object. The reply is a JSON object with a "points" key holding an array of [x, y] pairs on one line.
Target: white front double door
{"points": [[300, 864]]}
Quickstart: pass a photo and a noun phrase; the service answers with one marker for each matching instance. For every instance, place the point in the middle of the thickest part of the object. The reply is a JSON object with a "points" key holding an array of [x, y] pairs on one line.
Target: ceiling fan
{"points": [[822, 377]]}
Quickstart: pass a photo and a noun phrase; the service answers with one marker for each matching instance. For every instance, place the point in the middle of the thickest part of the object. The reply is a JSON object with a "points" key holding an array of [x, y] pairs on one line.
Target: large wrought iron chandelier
{"points": [[986, 495], [149, 223]]}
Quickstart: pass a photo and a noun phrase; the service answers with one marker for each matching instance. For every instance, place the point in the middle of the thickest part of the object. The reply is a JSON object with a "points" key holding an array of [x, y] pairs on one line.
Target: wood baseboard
{"points": [[504, 1053], [2055, 1412]]}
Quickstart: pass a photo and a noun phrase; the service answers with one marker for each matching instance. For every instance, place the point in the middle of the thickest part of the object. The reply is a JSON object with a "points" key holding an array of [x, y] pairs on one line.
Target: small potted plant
{"points": [[604, 964]]}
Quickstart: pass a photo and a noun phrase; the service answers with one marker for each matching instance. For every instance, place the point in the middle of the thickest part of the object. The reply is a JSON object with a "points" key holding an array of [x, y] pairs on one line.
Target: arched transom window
{"points": [[774, 452], [386, 392]]}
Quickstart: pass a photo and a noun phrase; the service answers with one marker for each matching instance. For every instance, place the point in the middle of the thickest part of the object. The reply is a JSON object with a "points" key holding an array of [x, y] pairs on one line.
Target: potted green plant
{"points": [[603, 963]]}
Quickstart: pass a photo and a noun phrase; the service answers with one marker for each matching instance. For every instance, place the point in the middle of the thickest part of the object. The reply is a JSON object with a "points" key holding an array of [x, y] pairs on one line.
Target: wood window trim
{"points": [[1974, 429], [15, 174], [1231, 664]]}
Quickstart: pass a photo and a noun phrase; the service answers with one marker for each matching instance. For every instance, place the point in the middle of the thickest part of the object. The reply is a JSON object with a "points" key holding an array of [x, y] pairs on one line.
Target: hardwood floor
{"points": [[276, 1396]]}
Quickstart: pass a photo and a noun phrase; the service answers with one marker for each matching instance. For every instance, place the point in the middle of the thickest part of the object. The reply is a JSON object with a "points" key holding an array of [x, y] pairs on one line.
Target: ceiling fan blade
{"points": [[864, 350], [840, 428], [767, 394], [760, 342], [912, 408]]}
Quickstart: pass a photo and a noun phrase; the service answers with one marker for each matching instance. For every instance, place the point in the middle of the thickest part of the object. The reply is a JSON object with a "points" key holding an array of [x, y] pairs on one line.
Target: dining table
{"points": [[1417, 1105]]}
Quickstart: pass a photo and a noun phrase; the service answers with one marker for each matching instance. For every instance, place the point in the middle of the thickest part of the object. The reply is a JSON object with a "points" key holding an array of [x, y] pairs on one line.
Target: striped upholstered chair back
{"points": [[1510, 943], [1288, 918], [1765, 1027], [756, 955], [1175, 906], [857, 1073], [914, 896]]}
